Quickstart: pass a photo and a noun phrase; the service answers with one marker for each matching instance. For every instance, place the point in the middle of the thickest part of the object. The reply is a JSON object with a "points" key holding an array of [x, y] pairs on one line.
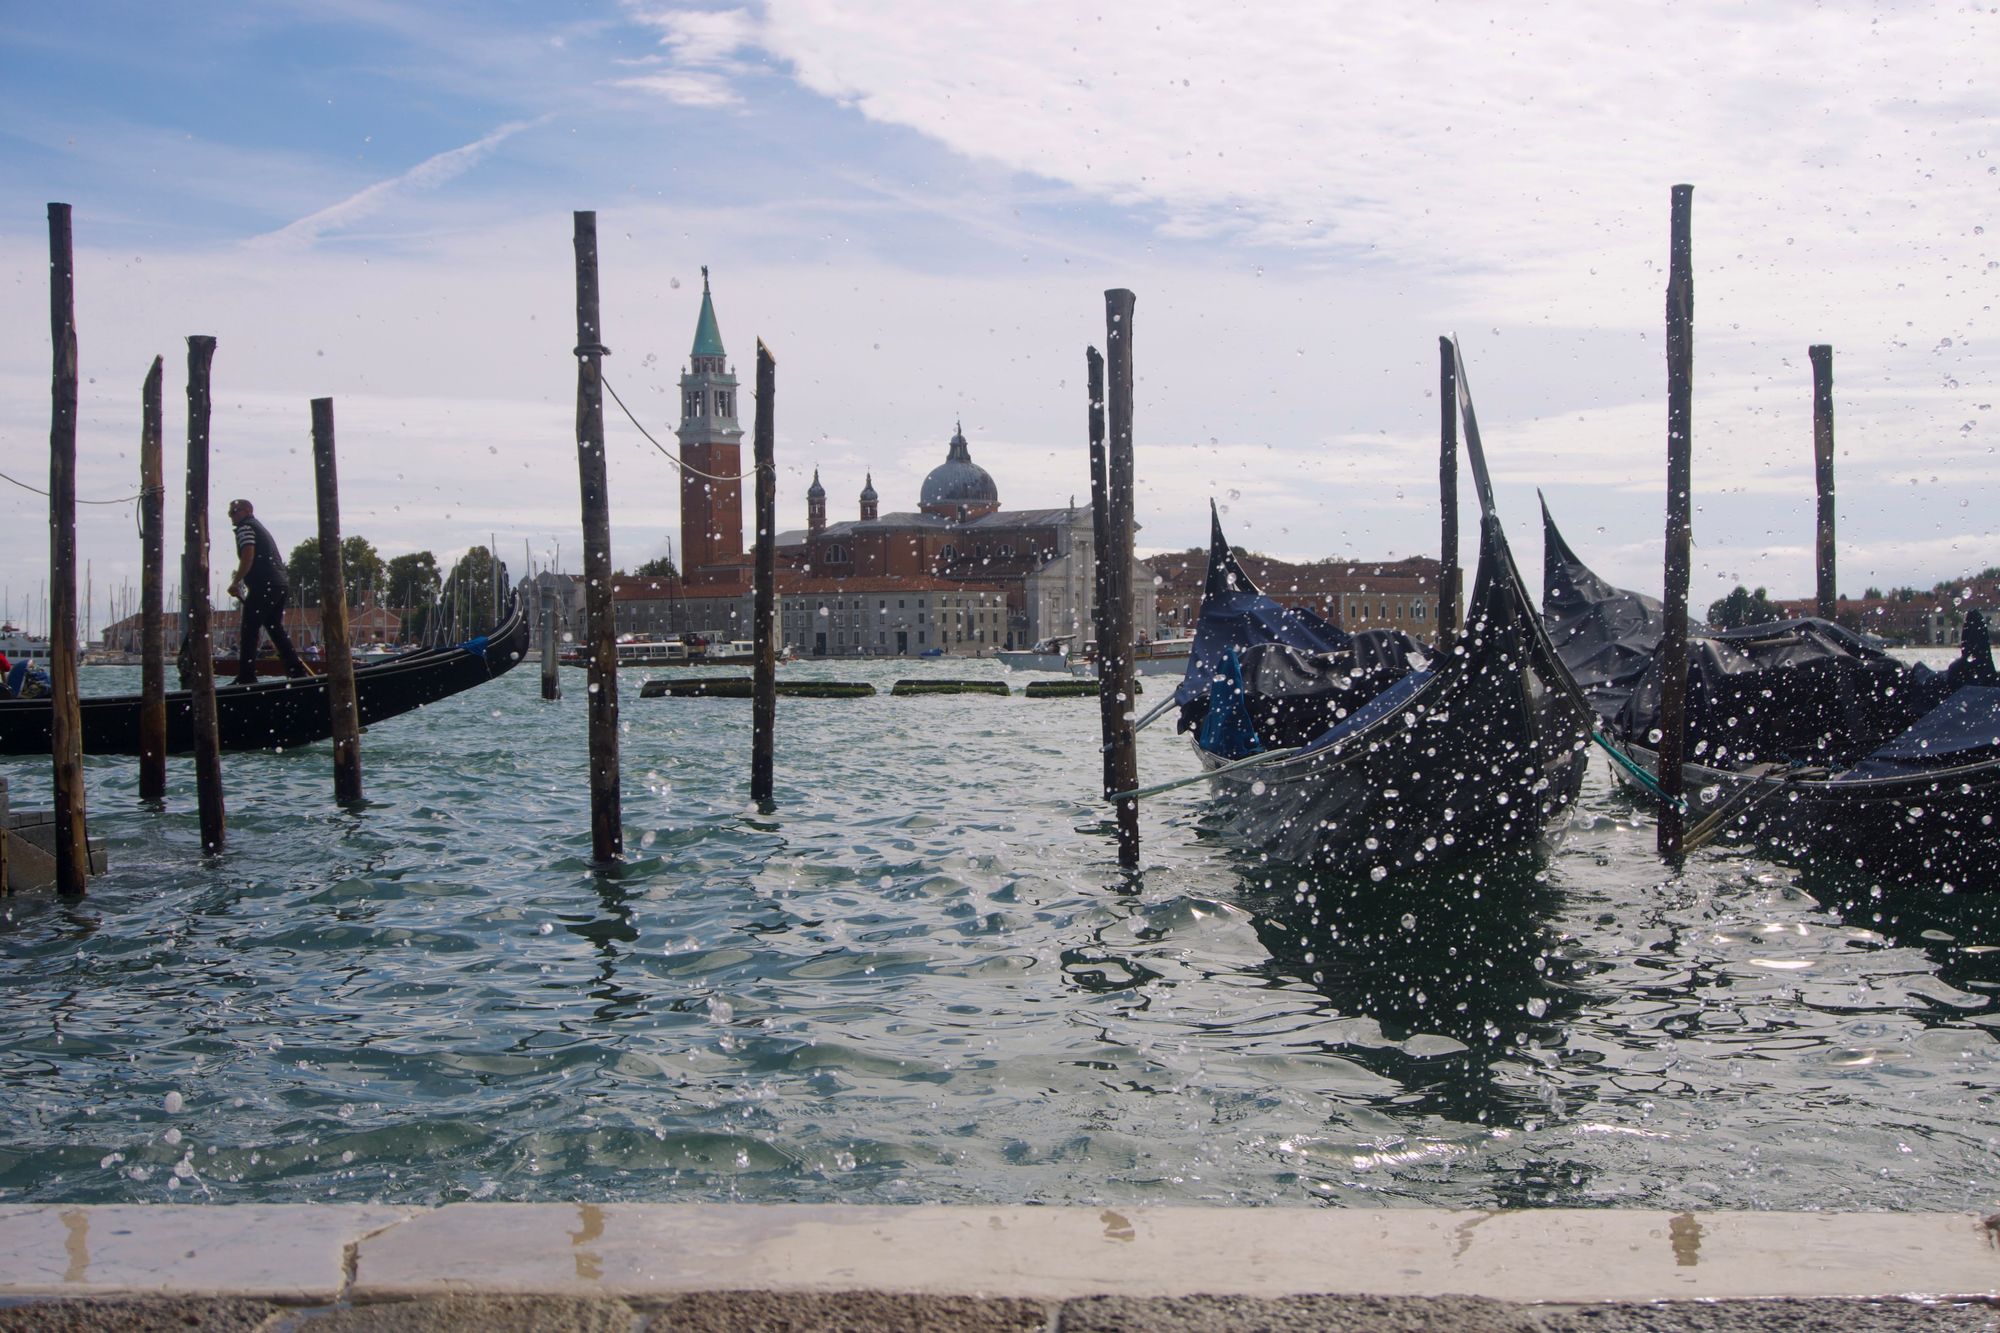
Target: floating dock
{"points": [[740, 687], [1070, 689], [904, 688]]}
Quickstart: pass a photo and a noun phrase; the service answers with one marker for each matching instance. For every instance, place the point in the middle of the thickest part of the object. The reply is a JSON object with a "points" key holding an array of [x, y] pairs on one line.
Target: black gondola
{"points": [[1808, 739], [1325, 753], [279, 714]]}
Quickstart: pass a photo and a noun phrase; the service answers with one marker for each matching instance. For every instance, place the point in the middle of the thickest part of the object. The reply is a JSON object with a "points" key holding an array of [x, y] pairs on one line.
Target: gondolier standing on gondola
{"points": [[260, 586]]}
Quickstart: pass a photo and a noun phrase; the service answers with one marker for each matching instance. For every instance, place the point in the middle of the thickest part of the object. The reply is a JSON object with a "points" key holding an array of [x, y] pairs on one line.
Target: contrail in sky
{"points": [[426, 175]]}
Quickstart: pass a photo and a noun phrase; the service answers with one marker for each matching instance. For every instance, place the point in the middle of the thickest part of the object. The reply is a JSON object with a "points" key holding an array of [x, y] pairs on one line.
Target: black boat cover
{"points": [[1606, 636], [1964, 729], [1798, 691]]}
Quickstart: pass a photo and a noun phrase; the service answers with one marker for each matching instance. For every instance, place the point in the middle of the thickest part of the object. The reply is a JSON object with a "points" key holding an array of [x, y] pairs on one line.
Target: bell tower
{"points": [[711, 443]]}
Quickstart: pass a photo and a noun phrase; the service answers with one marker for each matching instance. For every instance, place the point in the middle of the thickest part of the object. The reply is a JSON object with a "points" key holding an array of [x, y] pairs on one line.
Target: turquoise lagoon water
{"points": [[924, 979]]}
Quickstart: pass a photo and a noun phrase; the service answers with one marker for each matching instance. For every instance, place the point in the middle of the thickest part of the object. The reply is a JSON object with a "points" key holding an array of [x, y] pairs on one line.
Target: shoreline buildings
{"points": [[958, 575]]}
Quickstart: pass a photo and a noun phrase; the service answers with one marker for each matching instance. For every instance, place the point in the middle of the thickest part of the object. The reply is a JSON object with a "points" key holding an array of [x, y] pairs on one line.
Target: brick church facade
{"points": [[959, 573]]}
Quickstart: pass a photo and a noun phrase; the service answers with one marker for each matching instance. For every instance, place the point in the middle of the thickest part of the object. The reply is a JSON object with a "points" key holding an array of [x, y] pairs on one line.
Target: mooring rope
{"points": [[1153, 716], [1707, 830], [1638, 774], [1269, 756], [693, 471], [122, 500]]}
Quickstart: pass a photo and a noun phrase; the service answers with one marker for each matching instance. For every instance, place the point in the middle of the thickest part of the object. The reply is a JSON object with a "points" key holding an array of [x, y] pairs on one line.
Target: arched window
{"points": [[948, 554]]}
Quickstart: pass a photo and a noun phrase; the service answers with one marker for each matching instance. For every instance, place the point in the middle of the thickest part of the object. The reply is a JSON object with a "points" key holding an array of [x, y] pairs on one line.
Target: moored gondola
{"points": [[1810, 740], [1326, 750], [279, 714]]}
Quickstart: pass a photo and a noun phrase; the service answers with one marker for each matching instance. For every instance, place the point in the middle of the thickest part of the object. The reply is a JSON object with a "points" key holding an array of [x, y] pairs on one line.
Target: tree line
{"points": [[458, 602]]}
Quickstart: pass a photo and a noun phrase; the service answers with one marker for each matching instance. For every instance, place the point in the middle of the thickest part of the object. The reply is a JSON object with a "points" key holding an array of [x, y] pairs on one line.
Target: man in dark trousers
{"points": [[260, 586]]}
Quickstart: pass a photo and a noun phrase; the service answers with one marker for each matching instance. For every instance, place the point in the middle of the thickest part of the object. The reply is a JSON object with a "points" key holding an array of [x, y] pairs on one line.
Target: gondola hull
{"points": [[276, 714], [1942, 826], [1476, 754], [1484, 753]]}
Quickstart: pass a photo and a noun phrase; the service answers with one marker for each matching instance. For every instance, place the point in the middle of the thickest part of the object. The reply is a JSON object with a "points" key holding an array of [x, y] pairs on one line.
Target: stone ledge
{"points": [[318, 1254]]}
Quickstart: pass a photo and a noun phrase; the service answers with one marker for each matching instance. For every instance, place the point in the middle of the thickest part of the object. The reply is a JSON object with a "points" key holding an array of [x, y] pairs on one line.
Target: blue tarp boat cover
{"points": [[1235, 615], [1264, 676], [1964, 729]]}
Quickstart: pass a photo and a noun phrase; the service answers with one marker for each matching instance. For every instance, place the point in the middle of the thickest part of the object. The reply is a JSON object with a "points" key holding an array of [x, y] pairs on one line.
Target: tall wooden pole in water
{"points": [[1680, 483], [200, 651], [1822, 368], [343, 706], [607, 817], [66, 720], [764, 687], [1114, 614], [152, 629], [1448, 574], [545, 619], [1099, 529]]}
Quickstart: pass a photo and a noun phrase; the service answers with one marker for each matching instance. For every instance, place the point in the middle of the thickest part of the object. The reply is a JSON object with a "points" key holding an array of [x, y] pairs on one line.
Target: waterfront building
{"points": [[1354, 595], [367, 623], [958, 573]]}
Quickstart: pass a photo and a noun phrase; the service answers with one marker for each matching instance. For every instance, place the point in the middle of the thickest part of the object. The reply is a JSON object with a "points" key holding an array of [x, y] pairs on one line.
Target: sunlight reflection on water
{"points": [[918, 981]]}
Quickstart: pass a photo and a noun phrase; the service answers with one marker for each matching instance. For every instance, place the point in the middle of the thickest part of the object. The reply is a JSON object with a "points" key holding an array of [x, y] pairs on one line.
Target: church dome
{"points": [[868, 495], [958, 483], [815, 491]]}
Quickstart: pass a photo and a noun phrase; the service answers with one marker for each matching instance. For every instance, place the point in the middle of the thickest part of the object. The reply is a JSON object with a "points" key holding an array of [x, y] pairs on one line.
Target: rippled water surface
{"points": [[924, 979]]}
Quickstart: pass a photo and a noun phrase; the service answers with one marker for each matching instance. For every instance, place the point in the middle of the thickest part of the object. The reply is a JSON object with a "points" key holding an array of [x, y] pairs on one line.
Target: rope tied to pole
{"points": [[692, 471], [1268, 757], [1639, 775], [121, 500]]}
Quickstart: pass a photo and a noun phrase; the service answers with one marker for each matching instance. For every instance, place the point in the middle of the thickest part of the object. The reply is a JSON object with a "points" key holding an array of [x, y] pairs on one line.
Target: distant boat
{"points": [[21, 646], [1050, 654], [279, 714], [651, 650], [1150, 657], [1162, 657]]}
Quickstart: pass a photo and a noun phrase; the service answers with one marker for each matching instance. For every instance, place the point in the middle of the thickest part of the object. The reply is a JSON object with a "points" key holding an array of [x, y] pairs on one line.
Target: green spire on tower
{"points": [[707, 335]]}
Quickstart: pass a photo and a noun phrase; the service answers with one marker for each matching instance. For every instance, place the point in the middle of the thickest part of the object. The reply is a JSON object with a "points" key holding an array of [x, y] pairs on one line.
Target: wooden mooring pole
{"points": [[607, 818], [764, 688], [342, 703], [66, 720], [1113, 510], [152, 630], [545, 621], [1448, 573], [1680, 483], [199, 652], [1099, 534], [1822, 369]]}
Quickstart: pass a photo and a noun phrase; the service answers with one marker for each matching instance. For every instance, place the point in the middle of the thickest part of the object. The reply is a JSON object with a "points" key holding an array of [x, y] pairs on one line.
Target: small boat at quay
{"points": [[1150, 657], [1162, 657], [651, 650], [1334, 750], [21, 646], [1811, 740], [1051, 654], [279, 714]]}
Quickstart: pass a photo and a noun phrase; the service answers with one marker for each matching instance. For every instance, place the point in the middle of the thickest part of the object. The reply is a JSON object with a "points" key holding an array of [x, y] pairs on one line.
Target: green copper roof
{"points": [[707, 336]]}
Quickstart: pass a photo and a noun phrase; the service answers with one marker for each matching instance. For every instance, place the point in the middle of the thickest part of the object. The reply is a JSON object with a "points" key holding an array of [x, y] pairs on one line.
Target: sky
{"points": [[919, 207]]}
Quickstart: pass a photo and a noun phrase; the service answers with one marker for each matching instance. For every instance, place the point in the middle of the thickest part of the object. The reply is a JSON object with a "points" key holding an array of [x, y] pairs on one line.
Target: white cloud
{"points": [[702, 45], [684, 87]]}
